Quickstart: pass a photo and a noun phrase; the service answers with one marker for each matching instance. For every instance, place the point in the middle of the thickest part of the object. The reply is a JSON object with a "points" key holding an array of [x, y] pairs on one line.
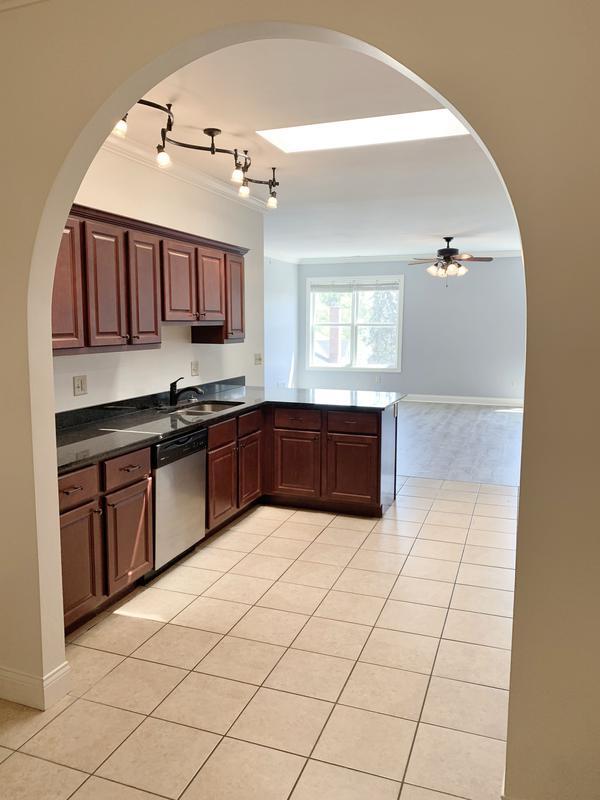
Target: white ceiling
{"points": [[393, 199]]}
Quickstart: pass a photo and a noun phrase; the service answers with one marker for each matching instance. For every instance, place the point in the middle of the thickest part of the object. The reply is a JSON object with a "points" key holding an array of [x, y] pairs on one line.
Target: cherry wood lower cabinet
{"points": [[250, 468], [82, 557], [296, 463], [129, 534], [352, 473], [222, 468]]}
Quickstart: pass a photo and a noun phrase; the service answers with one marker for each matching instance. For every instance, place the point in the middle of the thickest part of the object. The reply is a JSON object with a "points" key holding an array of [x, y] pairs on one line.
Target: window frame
{"points": [[355, 281]]}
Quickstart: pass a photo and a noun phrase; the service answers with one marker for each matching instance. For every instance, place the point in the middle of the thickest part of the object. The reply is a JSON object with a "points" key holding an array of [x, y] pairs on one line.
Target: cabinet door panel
{"points": [[211, 284], [179, 281], [106, 289], [144, 287], [250, 468], [129, 535], [297, 463], [234, 281], [67, 295], [82, 561], [222, 484], [352, 468]]}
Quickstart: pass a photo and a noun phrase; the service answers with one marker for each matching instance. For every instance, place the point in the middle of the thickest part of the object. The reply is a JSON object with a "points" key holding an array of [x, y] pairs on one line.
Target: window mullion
{"points": [[354, 327]]}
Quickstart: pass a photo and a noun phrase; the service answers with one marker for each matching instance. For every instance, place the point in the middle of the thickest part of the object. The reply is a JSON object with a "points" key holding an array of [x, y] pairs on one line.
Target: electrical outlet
{"points": [[79, 385], [258, 359], [195, 369]]}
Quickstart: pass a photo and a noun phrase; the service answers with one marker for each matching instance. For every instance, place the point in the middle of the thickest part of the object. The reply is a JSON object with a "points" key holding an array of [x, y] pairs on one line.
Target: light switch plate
{"points": [[194, 369], [258, 359], [79, 385]]}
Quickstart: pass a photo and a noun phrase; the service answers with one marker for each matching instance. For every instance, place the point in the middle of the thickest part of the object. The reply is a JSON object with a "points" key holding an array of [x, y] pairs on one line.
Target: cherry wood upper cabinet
{"points": [[144, 287], [106, 284], [296, 463], [179, 281], [82, 561], [211, 284], [129, 534], [250, 468], [352, 472], [67, 296], [234, 290], [222, 476]]}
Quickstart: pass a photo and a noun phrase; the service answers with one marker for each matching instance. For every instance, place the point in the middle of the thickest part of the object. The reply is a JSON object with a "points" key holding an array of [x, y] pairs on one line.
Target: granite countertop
{"points": [[94, 441]]}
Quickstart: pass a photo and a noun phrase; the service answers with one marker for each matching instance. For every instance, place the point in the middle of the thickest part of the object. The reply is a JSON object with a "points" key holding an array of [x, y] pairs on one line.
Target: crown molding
{"points": [[395, 258], [138, 153]]}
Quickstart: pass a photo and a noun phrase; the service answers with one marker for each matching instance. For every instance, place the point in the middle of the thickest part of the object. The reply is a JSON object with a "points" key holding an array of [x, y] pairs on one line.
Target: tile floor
{"points": [[295, 655]]}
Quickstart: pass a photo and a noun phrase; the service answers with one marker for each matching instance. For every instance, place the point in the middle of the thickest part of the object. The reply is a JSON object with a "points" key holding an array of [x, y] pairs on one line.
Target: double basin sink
{"points": [[202, 409]]}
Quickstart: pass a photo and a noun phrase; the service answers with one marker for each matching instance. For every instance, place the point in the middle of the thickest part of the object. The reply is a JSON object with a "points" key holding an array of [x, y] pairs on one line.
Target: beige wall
{"points": [[118, 183], [523, 79]]}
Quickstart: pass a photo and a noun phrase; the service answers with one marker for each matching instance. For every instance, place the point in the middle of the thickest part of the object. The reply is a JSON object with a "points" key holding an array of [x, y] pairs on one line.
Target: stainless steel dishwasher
{"points": [[179, 495]]}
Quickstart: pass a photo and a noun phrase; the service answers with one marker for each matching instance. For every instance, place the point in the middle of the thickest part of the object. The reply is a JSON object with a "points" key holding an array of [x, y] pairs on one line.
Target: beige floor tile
{"points": [[282, 548], [386, 690], [87, 667], [453, 506], [501, 541], [351, 523], [388, 543], [4, 753], [211, 558], [366, 741], [412, 618], [378, 561], [210, 614], [309, 573], [298, 531], [409, 651], [401, 501], [243, 771], [448, 519], [416, 793], [397, 527], [191, 580], [446, 551], [177, 646], [484, 601], [241, 660], [205, 701], [99, 789], [83, 736], [238, 588], [490, 577], [160, 757], [310, 674], [429, 483], [460, 486], [281, 720], [334, 555], [473, 663], [271, 512], [443, 533], [430, 568], [19, 723], [328, 782], [494, 525], [342, 537], [406, 514], [498, 488], [467, 707], [457, 763], [360, 581], [236, 540], [511, 501], [348, 607], [489, 556], [312, 518], [255, 525], [500, 512], [421, 590], [119, 634], [293, 597], [269, 625], [262, 566], [154, 604], [408, 490], [454, 494], [344, 639], [467, 626], [136, 685], [25, 778]]}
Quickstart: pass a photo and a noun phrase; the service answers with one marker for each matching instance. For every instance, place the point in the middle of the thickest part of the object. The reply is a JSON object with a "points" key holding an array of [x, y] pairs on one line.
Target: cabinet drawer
{"points": [[249, 423], [126, 469], [222, 433], [305, 419], [77, 487], [352, 422]]}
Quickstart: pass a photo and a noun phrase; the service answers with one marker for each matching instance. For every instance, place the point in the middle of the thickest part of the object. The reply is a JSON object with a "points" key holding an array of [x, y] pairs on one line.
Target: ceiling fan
{"points": [[446, 264]]}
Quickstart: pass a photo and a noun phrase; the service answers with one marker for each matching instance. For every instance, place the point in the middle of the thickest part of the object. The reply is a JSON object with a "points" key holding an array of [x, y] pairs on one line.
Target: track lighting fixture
{"points": [[241, 161]]}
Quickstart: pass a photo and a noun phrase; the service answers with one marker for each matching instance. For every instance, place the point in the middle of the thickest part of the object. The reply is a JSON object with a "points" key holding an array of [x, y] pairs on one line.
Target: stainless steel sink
{"points": [[204, 409]]}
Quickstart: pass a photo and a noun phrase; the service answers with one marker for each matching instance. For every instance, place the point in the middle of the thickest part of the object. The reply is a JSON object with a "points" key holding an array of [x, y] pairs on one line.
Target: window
{"points": [[354, 323]]}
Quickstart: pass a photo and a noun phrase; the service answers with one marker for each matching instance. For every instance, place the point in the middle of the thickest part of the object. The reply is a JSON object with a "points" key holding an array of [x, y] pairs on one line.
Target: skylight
{"points": [[410, 127]]}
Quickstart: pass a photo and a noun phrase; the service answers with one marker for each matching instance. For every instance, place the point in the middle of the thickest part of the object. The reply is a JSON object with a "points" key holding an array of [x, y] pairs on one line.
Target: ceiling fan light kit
{"points": [[447, 263], [241, 160]]}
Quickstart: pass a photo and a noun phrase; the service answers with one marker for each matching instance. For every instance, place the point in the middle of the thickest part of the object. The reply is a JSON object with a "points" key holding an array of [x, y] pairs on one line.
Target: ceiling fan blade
{"points": [[463, 256], [473, 258], [422, 260]]}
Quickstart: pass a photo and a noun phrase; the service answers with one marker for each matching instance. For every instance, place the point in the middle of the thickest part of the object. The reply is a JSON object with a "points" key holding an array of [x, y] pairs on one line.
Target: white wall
{"points": [[465, 340], [125, 186], [281, 322]]}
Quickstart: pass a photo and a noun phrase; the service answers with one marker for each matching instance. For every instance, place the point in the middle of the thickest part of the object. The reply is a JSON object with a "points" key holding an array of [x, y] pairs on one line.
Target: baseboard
{"points": [[33, 690], [507, 402]]}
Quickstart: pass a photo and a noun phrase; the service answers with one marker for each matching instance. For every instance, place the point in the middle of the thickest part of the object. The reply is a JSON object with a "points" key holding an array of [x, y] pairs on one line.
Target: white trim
{"points": [[512, 402], [33, 690], [394, 258], [127, 148]]}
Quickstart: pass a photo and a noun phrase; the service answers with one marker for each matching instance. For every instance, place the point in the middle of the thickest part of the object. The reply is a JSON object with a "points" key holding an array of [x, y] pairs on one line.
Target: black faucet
{"points": [[175, 393]]}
